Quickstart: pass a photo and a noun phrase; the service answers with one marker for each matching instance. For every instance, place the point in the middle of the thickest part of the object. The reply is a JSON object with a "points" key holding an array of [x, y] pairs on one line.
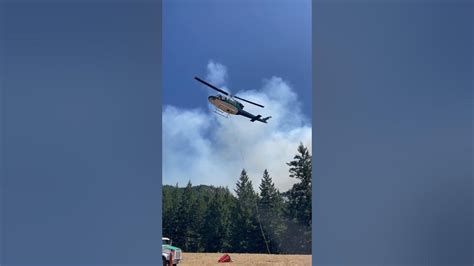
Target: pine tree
{"points": [[209, 219], [245, 234], [196, 220], [166, 210], [226, 207], [301, 193], [217, 221], [171, 203], [271, 213], [184, 228], [299, 202], [211, 226]]}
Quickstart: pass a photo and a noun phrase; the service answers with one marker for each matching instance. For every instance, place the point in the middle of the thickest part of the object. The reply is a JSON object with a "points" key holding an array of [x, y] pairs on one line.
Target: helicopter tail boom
{"points": [[252, 117], [255, 118], [258, 118], [266, 118]]}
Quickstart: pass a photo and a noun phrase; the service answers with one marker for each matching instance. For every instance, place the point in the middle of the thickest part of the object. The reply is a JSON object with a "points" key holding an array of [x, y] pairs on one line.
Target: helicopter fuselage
{"points": [[233, 107], [226, 105]]}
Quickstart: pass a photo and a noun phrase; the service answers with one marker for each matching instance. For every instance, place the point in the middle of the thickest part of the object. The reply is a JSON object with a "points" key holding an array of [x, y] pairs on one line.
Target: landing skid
{"points": [[221, 113]]}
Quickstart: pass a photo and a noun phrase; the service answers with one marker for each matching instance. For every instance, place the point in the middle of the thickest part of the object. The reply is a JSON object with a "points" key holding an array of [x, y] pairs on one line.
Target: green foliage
{"points": [[212, 219], [298, 208], [216, 228], [185, 231], [171, 203], [270, 208], [187, 214], [245, 233]]}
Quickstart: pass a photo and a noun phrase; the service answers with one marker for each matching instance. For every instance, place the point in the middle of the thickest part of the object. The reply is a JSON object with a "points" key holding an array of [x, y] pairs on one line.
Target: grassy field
{"points": [[244, 259]]}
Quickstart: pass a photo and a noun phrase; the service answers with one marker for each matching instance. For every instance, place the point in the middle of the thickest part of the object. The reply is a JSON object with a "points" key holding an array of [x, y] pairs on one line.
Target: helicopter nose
{"points": [[211, 98]]}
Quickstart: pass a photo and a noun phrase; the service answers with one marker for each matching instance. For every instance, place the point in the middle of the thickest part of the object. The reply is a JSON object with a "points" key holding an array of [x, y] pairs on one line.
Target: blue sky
{"points": [[258, 49], [254, 39]]}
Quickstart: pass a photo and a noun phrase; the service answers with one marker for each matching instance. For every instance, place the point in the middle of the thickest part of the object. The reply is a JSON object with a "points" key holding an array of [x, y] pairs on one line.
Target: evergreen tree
{"points": [[210, 219], [217, 221], [184, 227], [211, 226], [246, 236], [299, 202], [166, 211], [171, 203], [196, 221], [226, 208], [301, 193], [271, 213]]}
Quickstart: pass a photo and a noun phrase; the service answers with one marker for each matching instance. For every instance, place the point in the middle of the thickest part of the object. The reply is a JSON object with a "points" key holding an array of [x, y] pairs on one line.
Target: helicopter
{"points": [[228, 104]]}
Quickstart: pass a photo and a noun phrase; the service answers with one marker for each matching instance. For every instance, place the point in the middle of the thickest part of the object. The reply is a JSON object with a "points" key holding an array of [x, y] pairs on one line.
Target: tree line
{"points": [[212, 219]]}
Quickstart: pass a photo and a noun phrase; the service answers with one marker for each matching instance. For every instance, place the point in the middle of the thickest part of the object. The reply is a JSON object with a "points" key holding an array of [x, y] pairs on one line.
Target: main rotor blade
{"points": [[259, 105], [212, 86]]}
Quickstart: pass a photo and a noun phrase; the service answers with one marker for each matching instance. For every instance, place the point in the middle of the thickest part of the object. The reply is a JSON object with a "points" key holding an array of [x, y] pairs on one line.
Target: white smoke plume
{"points": [[216, 73], [207, 149]]}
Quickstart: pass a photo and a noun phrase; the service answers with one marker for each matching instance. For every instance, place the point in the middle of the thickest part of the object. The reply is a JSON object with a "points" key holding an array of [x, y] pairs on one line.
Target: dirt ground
{"points": [[245, 259]]}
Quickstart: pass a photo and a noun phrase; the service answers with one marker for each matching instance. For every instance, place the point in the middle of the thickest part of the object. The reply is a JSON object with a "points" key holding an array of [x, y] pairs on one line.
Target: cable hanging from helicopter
{"points": [[228, 105]]}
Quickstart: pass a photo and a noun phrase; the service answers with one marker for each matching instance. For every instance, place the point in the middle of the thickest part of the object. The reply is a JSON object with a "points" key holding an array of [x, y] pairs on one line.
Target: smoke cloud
{"points": [[207, 149]]}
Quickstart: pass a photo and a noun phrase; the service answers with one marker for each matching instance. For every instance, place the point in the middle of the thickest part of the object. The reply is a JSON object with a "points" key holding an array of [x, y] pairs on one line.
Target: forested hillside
{"points": [[212, 219]]}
